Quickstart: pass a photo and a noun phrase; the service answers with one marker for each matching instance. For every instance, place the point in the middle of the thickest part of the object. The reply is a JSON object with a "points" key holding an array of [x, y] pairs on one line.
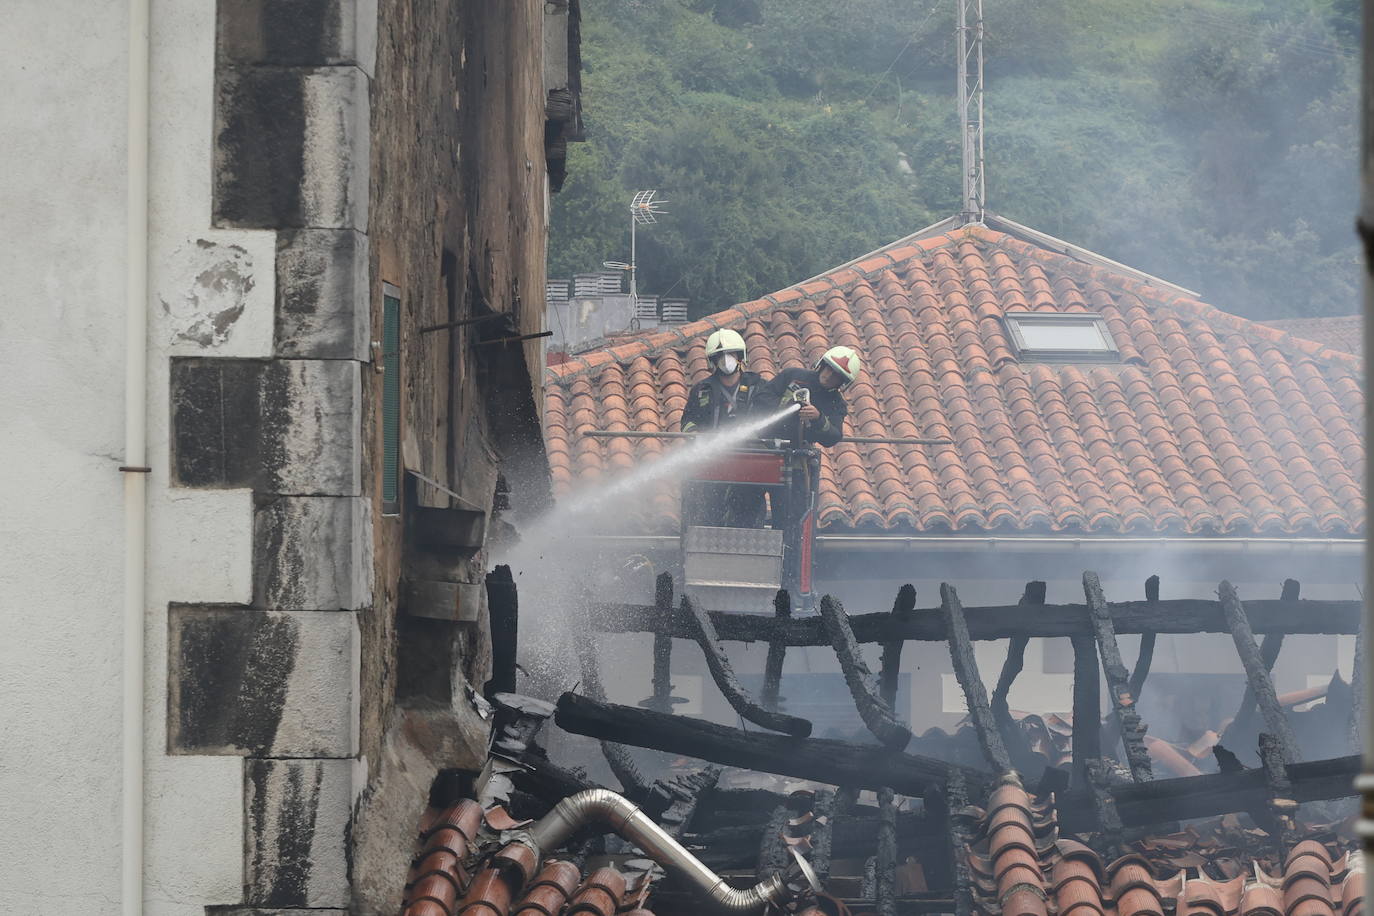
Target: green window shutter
{"points": [[391, 400]]}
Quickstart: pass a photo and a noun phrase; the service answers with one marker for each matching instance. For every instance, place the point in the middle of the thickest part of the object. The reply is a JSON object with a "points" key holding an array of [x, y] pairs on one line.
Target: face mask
{"points": [[727, 364]]}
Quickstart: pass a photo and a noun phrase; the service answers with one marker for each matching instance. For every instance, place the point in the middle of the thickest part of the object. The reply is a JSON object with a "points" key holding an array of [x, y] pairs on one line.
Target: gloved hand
{"points": [[808, 413]]}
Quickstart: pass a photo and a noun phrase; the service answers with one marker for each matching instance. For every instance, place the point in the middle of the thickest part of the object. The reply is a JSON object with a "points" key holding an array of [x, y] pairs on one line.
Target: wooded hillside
{"points": [[1210, 143]]}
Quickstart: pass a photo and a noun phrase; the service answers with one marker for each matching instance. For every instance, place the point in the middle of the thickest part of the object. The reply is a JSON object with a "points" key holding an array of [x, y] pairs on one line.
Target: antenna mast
{"points": [[970, 39]]}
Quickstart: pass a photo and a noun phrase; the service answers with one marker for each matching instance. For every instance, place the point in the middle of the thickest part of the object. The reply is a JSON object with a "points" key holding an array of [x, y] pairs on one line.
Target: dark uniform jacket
{"points": [[709, 404], [827, 429]]}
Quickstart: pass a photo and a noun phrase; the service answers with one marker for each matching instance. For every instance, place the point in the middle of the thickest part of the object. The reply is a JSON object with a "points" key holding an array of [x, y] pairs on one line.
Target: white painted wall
{"points": [[62, 178]]}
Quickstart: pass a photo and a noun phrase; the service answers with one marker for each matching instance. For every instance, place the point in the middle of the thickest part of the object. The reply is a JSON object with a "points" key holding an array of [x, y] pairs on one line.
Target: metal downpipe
{"points": [[624, 817]]}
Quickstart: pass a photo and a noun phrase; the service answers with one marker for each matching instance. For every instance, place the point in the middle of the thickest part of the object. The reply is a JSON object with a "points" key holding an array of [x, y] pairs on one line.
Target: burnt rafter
{"points": [[1276, 723], [875, 714], [1269, 654], [1004, 621], [777, 653], [704, 633], [1015, 740], [1118, 680], [1087, 708], [891, 666], [966, 672], [837, 763], [663, 699]]}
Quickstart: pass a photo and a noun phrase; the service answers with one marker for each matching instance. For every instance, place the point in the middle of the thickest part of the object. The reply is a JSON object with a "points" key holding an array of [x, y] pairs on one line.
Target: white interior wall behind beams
{"points": [[62, 176]]}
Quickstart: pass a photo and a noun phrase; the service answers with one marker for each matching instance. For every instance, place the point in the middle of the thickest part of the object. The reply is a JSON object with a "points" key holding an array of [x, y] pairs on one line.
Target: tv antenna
{"points": [[644, 211], [970, 43]]}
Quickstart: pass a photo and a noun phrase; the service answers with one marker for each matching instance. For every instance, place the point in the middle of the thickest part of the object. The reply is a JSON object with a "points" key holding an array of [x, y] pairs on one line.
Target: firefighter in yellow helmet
{"points": [[722, 398], [820, 391]]}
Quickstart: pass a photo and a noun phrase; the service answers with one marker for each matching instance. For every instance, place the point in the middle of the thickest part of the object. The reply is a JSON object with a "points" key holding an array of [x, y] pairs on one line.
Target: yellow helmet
{"points": [[844, 360], [722, 344]]}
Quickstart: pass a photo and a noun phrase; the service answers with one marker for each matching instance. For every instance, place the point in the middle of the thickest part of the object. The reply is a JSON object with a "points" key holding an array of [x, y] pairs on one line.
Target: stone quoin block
{"points": [[296, 821], [297, 33], [291, 148], [277, 426], [322, 294], [262, 683], [312, 553]]}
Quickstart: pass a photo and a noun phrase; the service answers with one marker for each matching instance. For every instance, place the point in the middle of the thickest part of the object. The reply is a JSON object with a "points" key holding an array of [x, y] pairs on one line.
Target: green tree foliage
{"points": [[1211, 143]]}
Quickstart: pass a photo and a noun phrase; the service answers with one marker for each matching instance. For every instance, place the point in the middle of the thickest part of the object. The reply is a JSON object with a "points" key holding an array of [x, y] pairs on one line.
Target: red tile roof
{"points": [[1344, 332], [452, 876], [1021, 867], [1211, 423]]}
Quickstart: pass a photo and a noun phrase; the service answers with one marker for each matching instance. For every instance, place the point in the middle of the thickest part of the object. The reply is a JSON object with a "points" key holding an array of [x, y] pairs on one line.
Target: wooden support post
{"points": [[503, 611], [1282, 806], [1354, 736], [1118, 681], [891, 667], [838, 763], [823, 835], [959, 832], [1276, 723], [875, 714], [966, 671], [662, 699], [1243, 721], [777, 653], [885, 862], [1146, 654], [1026, 760], [1104, 805], [773, 856], [1087, 708], [724, 676]]}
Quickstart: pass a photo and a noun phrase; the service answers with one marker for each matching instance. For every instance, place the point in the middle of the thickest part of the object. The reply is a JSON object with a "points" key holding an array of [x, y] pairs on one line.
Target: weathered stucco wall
{"points": [[63, 176]]}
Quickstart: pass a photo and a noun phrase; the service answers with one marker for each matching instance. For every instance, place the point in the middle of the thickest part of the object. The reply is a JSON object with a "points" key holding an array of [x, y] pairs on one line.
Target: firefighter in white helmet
{"points": [[722, 398], [725, 395], [819, 390]]}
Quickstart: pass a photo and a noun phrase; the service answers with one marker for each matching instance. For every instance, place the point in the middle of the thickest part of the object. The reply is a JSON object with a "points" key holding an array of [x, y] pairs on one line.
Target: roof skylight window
{"points": [[1061, 337]]}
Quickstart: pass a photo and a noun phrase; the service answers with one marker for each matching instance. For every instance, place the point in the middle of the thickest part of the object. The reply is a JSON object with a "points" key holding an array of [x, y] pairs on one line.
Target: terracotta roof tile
{"points": [[1211, 424]]}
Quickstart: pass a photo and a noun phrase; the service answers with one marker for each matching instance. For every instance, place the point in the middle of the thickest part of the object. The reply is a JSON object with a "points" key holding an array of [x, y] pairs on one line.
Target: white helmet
{"points": [[843, 360], [725, 350]]}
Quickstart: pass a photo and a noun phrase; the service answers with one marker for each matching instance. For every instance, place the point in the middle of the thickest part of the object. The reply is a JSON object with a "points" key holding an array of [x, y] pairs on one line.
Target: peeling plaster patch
{"points": [[218, 280]]}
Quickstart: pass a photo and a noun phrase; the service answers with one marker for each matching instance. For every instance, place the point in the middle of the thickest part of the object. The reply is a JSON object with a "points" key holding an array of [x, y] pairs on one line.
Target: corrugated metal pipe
{"points": [[624, 817]]}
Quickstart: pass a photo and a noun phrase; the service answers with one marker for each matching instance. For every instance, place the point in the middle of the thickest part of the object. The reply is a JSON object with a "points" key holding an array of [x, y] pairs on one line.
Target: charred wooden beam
{"points": [[1145, 655], [662, 699], [773, 856], [885, 860], [1354, 736], [545, 779], [1270, 647], [683, 795], [1087, 708], [960, 832], [1276, 723], [966, 671], [777, 654], [1118, 680], [875, 714], [1104, 807], [1005, 621], [724, 676], [1188, 797], [1282, 806], [503, 612], [1018, 747], [823, 837], [891, 666], [837, 763]]}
